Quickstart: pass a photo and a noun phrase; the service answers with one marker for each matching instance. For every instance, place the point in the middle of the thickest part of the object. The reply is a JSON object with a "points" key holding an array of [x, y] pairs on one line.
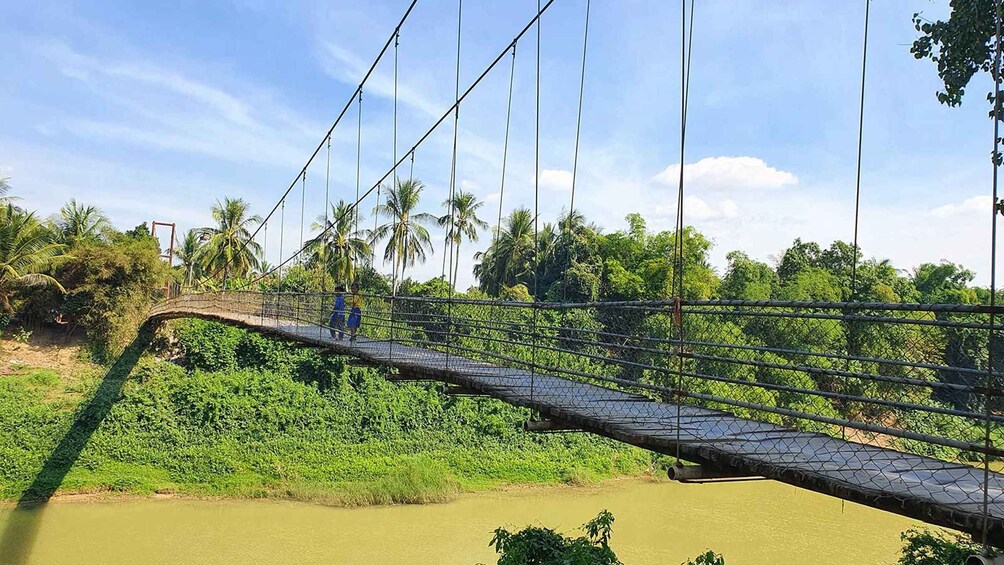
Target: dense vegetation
{"points": [[249, 416]]}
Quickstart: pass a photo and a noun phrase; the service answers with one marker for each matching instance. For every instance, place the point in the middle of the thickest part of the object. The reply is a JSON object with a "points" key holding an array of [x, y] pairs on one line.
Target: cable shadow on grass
{"points": [[24, 521]]}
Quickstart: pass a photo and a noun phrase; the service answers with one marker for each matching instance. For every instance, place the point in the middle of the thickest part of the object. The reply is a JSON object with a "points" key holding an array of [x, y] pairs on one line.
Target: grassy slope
{"points": [[252, 417]]}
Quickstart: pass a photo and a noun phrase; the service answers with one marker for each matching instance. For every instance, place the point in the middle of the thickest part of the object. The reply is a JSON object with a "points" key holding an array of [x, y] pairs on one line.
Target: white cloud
{"points": [[974, 205], [346, 66], [697, 209], [165, 109], [733, 173], [556, 179]]}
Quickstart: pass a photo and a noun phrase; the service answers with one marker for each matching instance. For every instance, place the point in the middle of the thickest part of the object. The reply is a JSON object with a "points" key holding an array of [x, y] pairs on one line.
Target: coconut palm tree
{"points": [[572, 223], [5, 188], [464, 223], [510, 257], [77, 222], [407, 237], [229, 249], [338, 247], [26, 250], [188, 251]]}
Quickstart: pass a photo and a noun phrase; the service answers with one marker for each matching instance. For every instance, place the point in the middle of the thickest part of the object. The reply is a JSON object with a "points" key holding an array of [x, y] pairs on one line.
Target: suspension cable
{"points": [[851, 341], [505, 143], [857, 178], [282, 233], [453, 166], [393, 181], [536, 216], [359, 153], [450, 231], [988, 383], [395, 184], [686, 44], [376, 218], [575, 154], [327, 204], [445, 115], [303, 204], [338, 120]]}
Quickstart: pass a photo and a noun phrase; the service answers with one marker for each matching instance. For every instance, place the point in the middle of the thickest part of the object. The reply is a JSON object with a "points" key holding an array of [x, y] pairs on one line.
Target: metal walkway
{"points": [[935, 491]]}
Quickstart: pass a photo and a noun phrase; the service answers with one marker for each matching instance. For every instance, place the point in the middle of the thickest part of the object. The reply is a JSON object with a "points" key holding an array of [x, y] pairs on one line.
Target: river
{"points": [[751, 523]]}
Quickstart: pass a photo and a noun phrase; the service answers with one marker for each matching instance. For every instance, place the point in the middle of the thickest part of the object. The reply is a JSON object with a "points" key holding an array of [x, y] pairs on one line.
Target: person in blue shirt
{"points": [[337, 321], [355, 311]]}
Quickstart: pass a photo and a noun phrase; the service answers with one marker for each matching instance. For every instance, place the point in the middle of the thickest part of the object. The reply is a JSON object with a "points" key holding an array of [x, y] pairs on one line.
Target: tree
{"points": [[509, 259], [229, 249], [746, 279], [339, 248], [943, 283], [464, 223], [811, 284], [26, 251], [636, 227], [187, 251], [110, 288], [78, 223], [962, 46], [407, 238], [5, 189], [801, 255]]}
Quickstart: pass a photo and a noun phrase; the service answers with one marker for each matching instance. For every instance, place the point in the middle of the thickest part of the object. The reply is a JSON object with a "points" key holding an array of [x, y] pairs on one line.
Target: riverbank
{"points": [[248, 417]]}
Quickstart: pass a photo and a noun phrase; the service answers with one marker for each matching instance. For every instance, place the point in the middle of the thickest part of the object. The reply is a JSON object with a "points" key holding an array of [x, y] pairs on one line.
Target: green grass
{"points": [[270, 420]]}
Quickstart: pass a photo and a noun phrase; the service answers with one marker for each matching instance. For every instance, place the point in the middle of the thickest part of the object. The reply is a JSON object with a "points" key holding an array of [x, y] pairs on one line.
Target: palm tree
{"points": [[464, 223], [572, 223], [77, 223], [228, 246], [338, 247], [5, 188], [408, 239], [188, 251], [510, 257], [26, 249]]}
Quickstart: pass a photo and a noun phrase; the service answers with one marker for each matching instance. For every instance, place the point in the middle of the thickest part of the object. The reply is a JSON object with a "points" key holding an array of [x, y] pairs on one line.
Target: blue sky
{"points": [[155, 110]]}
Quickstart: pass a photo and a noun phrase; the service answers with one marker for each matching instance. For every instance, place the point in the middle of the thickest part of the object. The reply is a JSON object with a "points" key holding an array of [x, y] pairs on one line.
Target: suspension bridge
{"points": [[897, 406], [630, 388]]}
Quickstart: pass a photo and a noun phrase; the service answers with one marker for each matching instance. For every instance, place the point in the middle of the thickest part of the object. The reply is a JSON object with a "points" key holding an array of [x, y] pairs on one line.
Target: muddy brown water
{"points": [[751, 523]]}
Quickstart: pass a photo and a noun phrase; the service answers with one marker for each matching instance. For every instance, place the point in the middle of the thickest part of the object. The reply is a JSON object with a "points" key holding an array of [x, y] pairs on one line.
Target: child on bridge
{"points": [[355, 304], [337, 320]]}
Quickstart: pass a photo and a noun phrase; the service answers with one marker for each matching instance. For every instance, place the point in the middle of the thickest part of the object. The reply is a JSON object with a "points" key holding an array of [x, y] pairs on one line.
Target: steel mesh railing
{"points": [[909, 376]]}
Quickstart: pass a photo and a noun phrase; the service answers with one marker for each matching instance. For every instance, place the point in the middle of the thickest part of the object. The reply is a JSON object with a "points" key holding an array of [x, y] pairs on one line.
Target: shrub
{"points": [[545, 546], [110, 288], [923, 547]]}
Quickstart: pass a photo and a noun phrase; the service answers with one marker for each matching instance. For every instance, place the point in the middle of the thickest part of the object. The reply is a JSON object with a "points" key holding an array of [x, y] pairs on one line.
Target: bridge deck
{"points": [[928, 489]]}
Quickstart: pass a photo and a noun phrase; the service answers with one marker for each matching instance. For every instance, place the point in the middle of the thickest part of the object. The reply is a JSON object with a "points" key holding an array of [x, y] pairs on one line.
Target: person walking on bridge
{"points": [[337, 321], [355, 304]]}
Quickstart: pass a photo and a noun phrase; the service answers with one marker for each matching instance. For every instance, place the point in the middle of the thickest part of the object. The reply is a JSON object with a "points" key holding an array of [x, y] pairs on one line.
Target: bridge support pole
{"points": [[549, 426], [686, 473], [407, 377], [458, 390]]}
